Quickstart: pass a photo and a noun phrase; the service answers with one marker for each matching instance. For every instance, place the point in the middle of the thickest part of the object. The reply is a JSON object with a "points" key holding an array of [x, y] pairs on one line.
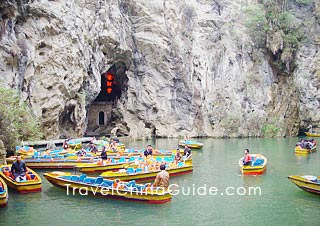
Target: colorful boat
{"points": [[300, 150], [31, 184], [118, 163], [54, 164], [108, 188], [191, 144], [307, 182], [257, 167], [3, 193], [75, 144], [139, 175], [312, 134]]}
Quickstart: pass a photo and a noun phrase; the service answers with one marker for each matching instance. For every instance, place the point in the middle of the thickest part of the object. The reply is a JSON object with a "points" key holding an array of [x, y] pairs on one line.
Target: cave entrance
{"points": [[113, 90]]}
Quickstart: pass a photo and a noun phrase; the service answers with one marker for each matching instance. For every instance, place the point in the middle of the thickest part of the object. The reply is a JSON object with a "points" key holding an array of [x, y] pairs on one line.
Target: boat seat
{"points": [[167, 159], [74, 178], [1, 189], [180, 164], [158, 159], [131, 159], [32, 176], [121, 160], [88, 180], [82, 177], [130, 170], [138, 170], [99, 180], [131, 183], [258, 162]]}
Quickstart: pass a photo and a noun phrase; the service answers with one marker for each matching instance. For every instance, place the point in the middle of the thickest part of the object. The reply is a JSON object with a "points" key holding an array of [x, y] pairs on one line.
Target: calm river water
{"points": [[216, 165]]}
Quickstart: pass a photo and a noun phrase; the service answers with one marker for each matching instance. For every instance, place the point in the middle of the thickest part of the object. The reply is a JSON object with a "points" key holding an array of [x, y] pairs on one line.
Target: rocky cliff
{"points": [[192, 66]]}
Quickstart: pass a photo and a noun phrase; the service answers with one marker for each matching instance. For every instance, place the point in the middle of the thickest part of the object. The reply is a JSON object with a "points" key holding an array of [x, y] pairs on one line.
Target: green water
{"points": [[216, 165]]}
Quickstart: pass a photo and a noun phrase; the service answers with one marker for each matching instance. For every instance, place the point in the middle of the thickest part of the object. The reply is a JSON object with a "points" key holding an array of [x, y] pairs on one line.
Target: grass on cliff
{"points": [[16, 120], [274, 27]]}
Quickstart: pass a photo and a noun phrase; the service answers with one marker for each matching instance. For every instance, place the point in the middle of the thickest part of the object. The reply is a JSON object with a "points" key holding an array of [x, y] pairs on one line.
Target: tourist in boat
{"points": [[187, 152], [113, 146], [104, 153], [81, 152], [18, 169], [162, 179], [310, 128], [65, 145], [186, 137], [93, 140], [178, 156], [148, 151], [247, 158], [93, 149]]}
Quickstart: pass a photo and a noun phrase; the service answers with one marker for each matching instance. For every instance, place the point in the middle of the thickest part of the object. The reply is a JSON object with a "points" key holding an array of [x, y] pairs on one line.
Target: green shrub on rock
{"points": [[16, 120]]}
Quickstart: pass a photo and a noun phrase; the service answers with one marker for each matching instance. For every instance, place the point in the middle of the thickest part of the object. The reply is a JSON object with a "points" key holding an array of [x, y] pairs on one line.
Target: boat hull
{"points": [[4, 195], [113, 193], [312, 134], [254, 170], [306, 185], [139, 177], [299, 150], [195, 145], [95, 168], [23, 187]]}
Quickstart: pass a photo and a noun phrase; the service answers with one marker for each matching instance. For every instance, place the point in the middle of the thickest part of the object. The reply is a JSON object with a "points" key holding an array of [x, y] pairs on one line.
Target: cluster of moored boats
{"points": [[308, 183], [120, 171]]}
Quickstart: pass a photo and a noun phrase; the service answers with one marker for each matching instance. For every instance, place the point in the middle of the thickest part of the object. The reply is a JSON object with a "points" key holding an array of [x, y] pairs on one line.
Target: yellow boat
{"points": [[100, 167], [118, 163], [300, 150], [3, 193], [312, 134], [75, 144], [191, 144], [139, 175], [307, 182], [31, 184], [108, 188], [257, 167]]}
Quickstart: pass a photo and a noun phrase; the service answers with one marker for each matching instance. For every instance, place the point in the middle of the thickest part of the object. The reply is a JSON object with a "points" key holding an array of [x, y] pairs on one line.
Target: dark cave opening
{"points": [[103, 115]]}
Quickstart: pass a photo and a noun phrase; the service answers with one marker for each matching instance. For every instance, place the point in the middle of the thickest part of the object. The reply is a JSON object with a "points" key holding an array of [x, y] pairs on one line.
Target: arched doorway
{"points": [[114, 83], [101, 118]]}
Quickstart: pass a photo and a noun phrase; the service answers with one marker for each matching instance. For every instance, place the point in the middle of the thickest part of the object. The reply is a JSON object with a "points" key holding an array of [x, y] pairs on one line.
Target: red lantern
{"points": [[109, 77]]}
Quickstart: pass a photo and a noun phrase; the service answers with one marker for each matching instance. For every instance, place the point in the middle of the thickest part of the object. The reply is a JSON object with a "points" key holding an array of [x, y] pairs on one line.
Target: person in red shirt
{"points": [[247, 158]]}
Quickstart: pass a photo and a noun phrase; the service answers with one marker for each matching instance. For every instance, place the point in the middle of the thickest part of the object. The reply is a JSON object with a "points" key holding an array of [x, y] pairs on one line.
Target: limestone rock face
{"points": [[3, 153], [192, 68]]}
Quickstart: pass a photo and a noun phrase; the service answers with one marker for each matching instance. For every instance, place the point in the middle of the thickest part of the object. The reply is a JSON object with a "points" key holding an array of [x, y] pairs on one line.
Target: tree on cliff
{"points": [[16, 120]]}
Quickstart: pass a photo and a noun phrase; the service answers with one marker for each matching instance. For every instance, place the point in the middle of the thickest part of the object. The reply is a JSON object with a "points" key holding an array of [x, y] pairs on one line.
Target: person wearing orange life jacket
{"points": [[247, 158]]}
